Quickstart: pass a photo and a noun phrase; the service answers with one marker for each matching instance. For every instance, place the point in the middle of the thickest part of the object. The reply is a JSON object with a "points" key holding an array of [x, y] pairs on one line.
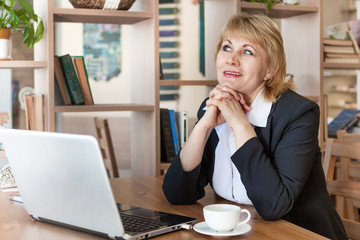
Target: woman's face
{"points": [[242, 66]]}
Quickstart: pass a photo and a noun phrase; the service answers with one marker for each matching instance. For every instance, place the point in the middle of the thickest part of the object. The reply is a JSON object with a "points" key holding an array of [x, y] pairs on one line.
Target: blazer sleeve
{"points": [[182, 187], [273, 184]]}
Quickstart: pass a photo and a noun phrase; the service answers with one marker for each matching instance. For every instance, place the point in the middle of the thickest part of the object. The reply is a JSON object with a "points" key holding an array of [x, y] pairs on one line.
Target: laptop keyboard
{"points": [[134, 224]]}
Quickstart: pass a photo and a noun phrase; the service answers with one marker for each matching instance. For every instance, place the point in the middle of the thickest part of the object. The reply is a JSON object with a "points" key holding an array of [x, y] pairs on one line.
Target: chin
{"points": [[226, 83]]}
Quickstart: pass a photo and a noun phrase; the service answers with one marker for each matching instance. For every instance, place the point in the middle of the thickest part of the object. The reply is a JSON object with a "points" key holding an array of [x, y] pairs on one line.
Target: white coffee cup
{"points": [[224, 217], [291, 1]]}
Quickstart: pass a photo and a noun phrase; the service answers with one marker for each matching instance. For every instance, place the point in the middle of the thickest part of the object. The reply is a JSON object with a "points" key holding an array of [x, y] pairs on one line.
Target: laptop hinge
{"points": [[35, 217]]}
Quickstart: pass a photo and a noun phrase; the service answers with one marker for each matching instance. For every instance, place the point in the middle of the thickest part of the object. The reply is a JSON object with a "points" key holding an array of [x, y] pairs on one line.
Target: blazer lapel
{"points": [[264, 133]]}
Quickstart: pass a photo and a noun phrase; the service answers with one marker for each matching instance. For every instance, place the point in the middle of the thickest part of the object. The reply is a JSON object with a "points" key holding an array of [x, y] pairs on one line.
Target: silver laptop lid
{"points": [[59, 179]]}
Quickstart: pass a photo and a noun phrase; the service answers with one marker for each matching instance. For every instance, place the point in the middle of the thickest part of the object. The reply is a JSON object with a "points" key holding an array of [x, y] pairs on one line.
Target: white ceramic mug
{"points": [[224, 217], [291, 1]]}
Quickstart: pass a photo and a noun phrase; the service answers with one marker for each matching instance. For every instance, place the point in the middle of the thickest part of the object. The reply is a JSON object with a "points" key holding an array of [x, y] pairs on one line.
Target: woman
{"points": [[256, 140]]}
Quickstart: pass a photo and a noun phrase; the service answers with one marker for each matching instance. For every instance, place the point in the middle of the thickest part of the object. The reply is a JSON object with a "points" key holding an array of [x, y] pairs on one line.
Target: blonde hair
{"points": [[263, 31]]}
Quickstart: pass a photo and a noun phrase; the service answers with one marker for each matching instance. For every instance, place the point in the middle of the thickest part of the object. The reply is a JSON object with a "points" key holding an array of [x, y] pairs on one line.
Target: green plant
{"points": [[269, 3], [19, 15]]}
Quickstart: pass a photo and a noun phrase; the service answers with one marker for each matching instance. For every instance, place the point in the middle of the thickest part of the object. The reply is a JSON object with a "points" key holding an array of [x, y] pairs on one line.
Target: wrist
{"points": [[204, 126]]}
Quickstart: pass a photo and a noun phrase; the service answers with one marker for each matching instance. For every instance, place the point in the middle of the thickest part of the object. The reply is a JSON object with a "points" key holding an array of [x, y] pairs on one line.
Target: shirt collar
{"points": [[260, 110]]}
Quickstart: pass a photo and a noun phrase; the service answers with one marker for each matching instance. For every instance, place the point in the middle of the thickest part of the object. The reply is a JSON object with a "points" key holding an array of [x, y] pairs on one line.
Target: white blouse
{"points": [[226, 178]]}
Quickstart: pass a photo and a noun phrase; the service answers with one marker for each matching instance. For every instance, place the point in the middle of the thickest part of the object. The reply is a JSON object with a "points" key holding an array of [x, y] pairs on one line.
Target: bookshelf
{"points": [[341, 74], [304, 19], [143, 21]]}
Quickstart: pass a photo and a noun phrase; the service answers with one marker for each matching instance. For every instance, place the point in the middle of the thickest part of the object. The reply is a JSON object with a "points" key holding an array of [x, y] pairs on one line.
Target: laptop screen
{"points": [[62, 179]]}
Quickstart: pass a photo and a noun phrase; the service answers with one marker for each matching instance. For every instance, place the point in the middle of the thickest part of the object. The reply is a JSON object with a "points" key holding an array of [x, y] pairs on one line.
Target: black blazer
{"points": [[280, 169]]}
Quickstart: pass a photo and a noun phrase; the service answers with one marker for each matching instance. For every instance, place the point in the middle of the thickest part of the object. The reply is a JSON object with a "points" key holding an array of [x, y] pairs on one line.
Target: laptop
{"points": [[62, 180]]}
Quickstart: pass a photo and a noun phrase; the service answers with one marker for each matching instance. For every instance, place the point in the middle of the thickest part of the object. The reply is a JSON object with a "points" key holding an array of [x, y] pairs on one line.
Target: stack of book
{"points": [[34, 111], [72, 81], [174, 133], [340, 46]]}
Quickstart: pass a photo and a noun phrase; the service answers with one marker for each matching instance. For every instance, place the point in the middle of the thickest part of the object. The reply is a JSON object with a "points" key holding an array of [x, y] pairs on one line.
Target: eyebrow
{"points": [[227, 40], [245, 45]]}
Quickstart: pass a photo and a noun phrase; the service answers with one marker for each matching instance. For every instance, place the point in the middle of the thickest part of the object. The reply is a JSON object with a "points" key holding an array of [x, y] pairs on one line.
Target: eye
{"points": [[248, 52], [226, 48]]}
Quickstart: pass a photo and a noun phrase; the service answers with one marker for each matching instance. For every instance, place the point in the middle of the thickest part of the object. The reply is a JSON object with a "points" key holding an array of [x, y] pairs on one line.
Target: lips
{"points": [[232, 74]]}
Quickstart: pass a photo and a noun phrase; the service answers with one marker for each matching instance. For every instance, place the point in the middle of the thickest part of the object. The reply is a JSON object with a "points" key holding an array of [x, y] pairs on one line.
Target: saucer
{"points": [[203, 228]]}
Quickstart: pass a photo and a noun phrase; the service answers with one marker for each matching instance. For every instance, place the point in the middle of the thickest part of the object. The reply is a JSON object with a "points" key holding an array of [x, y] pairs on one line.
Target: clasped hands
{"points": [[226, 105]]}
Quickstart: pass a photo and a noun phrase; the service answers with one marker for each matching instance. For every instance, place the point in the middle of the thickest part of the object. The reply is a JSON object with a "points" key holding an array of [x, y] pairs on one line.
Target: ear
{"points": [[268, 75]]}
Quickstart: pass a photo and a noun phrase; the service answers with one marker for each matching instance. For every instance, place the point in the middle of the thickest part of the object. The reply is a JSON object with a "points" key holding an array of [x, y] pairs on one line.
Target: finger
{"points": [[231, 91], [243, 103], [246, 108], [212, 102], [215, 90], [220, 94], [223, 95]]}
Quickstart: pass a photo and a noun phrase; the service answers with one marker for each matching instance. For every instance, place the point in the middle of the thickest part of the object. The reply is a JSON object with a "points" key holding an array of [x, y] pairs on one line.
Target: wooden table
{"points": [[16, 224]]}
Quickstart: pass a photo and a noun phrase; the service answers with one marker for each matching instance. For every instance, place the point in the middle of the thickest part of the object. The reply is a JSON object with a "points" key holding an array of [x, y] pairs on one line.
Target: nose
{"points": [[233, 60]]}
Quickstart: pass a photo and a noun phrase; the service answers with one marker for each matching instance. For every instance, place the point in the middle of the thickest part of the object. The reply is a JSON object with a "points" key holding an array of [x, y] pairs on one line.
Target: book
{"points": [[169, 54], [171, 65], [169, 96], [167, 145], [337, 42], [83, 79], [339, 49], [355, 44], [61, 81], [354, 26], [168, 22], [342, 55], [58, 99], [169, 76], [168, 1], [169, 33], [342, 60], [182, 123], [72, 80], [168, 11], [4, 118], [173, 44], [338, 31], [174, 131], [34, 111]]}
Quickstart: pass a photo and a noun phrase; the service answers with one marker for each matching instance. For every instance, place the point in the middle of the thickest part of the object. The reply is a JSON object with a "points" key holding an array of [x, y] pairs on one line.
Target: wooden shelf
{"points": [[278, 10], [104, 108], [15, 64], [342, 91], [188, 82], [341, 106], [99, 16], [342, 66]]}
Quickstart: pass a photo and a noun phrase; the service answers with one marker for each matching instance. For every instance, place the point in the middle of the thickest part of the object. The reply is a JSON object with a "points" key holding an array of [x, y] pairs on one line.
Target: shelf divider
{"points": [[15, 64], [79, 15], [105, 108]]}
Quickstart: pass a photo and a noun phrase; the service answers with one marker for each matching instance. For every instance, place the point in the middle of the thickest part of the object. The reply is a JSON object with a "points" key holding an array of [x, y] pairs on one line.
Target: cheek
{"points": [[219, 65]]}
